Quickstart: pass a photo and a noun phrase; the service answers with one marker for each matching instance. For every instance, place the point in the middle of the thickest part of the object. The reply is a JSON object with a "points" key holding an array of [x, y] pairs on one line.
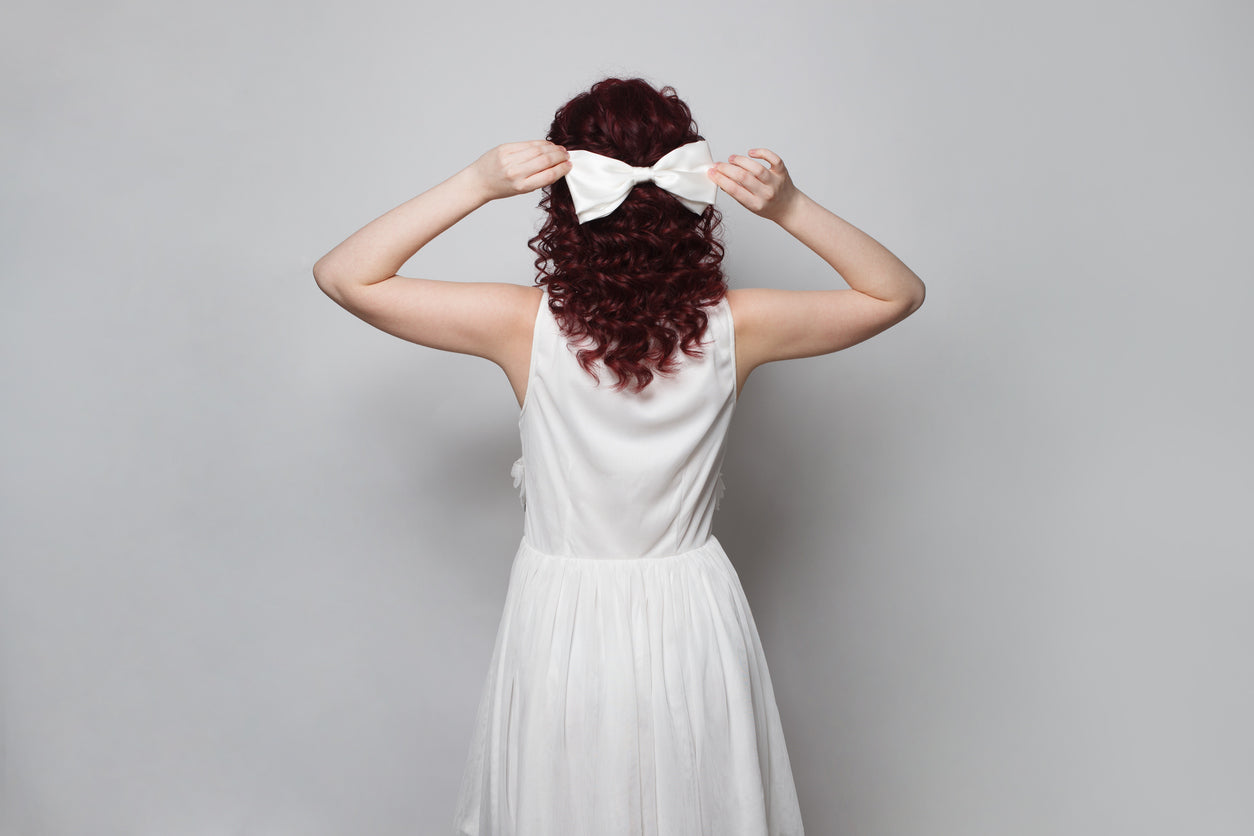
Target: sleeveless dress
{"points": [[627, 693]]}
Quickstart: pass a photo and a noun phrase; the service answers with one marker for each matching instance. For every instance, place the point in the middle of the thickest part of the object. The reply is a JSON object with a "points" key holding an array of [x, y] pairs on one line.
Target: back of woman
{"points": [[608, 473], [627, 692]]}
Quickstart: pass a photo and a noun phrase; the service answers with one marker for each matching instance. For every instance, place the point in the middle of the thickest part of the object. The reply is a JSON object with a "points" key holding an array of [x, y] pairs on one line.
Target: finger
{"points": [[739, 173], [553, 153], [546, 177], [732, 186], [508, 152], [520, 170], [752, 166], [509, 147], [768, 155], [528, 151]]}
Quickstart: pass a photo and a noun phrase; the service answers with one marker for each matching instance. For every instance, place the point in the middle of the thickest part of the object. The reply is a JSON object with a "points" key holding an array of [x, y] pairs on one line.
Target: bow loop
{"points": [[599, 184]]}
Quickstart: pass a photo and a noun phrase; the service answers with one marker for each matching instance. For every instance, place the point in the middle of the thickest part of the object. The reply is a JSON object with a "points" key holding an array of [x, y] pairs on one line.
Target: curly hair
{"points": [[629, 289]]}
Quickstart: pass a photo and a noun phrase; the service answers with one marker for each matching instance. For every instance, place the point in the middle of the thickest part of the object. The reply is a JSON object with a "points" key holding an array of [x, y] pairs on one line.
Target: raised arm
{"points": [[487, 319], [776, 324]]}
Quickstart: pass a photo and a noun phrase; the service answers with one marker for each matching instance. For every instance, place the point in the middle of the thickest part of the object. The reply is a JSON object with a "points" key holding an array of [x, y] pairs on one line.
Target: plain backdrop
{"points": [[255, 551]]}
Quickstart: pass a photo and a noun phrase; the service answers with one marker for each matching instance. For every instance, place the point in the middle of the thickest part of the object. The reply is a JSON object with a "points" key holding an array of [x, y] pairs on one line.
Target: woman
{"points": [[627, 691]]}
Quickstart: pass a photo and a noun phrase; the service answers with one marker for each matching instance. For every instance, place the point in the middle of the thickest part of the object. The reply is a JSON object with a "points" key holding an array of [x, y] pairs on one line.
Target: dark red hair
{"points": [[628, 289]]}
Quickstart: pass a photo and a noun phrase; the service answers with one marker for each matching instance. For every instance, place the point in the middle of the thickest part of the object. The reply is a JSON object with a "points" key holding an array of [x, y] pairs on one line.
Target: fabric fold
{"points": [[681, 738]]}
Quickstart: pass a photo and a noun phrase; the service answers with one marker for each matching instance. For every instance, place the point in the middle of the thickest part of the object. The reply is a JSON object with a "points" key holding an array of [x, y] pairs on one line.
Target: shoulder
{"points": [[773, 324], [514, 295], [748, 307], [512, 308], [497, 314], [527, 300]]}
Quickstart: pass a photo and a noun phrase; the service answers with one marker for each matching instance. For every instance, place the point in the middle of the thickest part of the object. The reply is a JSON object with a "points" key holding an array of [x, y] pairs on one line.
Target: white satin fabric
{"points": [[627, 693], [599, 184]]}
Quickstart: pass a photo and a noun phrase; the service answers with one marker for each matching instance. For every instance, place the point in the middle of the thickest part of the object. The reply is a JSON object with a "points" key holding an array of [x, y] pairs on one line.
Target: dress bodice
{"points": [[619, 474]]}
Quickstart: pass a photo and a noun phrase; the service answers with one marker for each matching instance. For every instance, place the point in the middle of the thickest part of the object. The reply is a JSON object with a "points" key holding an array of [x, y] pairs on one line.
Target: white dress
{"points": [[627, 694]]}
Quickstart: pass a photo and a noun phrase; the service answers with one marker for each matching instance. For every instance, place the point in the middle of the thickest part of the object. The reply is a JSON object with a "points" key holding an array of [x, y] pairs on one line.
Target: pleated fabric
{"points": [[627, 693]]}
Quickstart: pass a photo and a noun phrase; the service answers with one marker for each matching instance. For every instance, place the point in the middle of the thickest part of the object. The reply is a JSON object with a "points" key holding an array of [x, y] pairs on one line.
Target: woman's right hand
{"points": [[520, 167]]}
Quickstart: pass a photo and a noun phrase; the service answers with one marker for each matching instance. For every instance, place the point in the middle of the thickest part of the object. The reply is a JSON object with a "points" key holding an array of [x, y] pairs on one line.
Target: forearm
{"points": [[380, 248], [865, 264]]}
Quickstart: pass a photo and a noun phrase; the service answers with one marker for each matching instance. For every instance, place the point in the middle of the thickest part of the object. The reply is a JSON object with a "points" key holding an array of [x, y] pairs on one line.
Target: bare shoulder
{"points": [[499, 318], [775, 324], [522, 303], [747, 305], [486, 319]]}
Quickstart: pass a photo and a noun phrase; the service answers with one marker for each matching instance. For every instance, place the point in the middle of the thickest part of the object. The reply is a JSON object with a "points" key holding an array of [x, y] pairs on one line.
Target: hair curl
{"points": [[629, 288]]}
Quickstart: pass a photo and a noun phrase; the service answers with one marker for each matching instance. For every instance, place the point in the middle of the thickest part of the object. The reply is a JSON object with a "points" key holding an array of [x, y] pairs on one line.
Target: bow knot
{"points": [[642, 175], [599, 184]]}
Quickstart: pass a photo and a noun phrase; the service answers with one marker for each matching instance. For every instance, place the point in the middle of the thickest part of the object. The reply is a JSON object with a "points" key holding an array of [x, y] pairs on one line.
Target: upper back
{"points": [[613, 473]]}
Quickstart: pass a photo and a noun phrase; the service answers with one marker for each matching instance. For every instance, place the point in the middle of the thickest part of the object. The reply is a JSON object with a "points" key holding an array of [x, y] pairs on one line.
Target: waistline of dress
{"points": [[710, 547]]}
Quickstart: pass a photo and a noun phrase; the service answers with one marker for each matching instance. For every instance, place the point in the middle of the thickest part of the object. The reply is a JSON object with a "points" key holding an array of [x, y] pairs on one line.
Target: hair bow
{"points": [[599, 184]]}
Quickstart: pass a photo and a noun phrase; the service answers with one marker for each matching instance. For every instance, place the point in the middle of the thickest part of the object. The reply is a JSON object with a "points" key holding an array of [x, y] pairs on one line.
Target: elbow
{"points": [[917, 302], [325, 274], [320, 272], [321, 280], [326, 282]]}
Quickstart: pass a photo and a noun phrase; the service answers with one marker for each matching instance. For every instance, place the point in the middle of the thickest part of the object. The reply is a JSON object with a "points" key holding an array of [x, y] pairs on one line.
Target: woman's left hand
{"points": [[767, 192]]}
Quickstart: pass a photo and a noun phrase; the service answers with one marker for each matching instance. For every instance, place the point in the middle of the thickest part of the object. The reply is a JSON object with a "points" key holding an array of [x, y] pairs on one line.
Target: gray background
{"points": [[254, 551]]}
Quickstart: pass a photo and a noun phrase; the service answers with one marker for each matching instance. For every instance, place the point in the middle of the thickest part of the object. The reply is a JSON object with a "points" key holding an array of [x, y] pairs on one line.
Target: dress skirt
{"points": [[627, 697]]}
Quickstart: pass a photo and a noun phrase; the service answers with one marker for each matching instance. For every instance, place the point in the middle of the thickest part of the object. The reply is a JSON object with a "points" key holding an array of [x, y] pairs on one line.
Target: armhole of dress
{"points": [[730, 324], [541, 312]]}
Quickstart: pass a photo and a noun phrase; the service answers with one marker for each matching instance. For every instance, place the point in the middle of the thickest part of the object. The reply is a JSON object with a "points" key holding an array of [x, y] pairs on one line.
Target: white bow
{"points": [[599, 184]]}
